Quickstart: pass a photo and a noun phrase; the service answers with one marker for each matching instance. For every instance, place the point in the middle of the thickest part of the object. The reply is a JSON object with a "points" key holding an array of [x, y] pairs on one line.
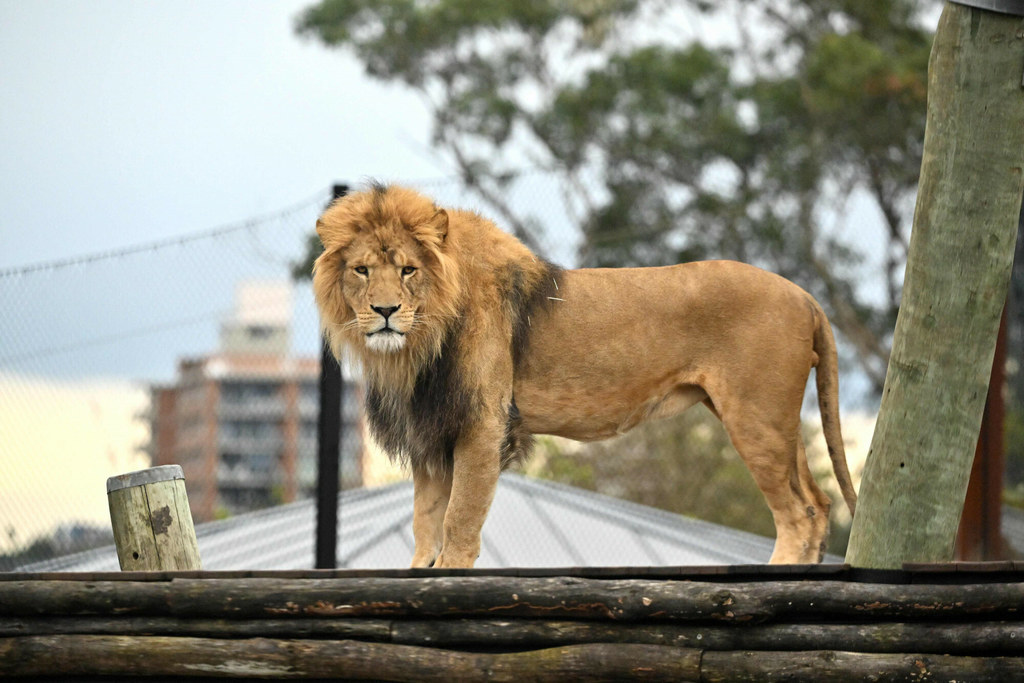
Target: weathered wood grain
{"points": [[958, 269], [850, 667], [152, 524], [551, 598], [346, 660], [971, 638], [353, 660]]}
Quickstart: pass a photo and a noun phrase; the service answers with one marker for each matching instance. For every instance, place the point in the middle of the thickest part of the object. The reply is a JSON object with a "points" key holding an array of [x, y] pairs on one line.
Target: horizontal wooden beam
{"points": [[552, 598], [353, 660], [297, 659], [967, 638]]}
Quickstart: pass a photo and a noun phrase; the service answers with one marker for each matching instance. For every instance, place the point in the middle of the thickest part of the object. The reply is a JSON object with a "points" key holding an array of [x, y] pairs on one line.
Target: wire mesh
{"points": [[199, 350]]}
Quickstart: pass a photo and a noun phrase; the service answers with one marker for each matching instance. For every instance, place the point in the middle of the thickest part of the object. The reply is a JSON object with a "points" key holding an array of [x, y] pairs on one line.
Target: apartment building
{"points": [[242, 421]]}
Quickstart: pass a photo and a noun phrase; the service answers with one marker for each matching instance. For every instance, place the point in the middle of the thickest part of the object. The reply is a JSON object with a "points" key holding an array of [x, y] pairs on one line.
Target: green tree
{"points": [[666, 146]]}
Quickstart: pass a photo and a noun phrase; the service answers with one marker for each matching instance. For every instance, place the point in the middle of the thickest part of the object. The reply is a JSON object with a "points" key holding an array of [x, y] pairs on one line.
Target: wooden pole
{"points": [[151, 519], [980, 536], [958, 267]]}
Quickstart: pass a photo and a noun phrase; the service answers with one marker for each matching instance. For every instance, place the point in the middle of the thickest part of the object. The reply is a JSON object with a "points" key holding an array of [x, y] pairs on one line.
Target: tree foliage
{"points": [[670, 141]]}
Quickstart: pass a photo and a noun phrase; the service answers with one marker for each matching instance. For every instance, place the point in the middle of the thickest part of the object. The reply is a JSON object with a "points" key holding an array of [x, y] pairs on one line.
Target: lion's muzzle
{"points": [[386, 338]]}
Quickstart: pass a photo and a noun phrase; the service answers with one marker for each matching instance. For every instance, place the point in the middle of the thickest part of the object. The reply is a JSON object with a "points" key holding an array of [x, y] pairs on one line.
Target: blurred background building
{"points": [[242, 421]]}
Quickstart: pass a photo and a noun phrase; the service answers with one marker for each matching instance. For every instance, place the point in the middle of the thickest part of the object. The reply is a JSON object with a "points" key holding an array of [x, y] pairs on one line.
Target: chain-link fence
{"points": [[199, 350], [203, 351]]}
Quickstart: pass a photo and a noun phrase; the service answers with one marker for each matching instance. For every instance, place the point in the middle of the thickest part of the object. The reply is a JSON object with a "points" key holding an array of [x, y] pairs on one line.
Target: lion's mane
{"points": [[419, 399]]}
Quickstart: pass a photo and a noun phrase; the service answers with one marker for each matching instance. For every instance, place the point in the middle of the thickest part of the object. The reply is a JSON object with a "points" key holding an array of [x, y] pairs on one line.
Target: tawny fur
{"points": [[470, 344]]}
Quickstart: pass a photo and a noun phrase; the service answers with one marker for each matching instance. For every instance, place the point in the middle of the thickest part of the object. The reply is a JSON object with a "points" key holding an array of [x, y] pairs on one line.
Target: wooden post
{"points": [[980, 536], [151, 519], [958, 268]]}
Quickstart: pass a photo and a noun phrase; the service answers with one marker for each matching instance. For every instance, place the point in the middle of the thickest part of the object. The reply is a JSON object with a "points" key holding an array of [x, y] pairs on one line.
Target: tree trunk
{"points": [[961, 252]]}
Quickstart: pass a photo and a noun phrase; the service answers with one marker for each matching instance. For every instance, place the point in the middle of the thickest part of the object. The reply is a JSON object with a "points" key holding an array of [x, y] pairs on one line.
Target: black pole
{"points": [[329, 438]]}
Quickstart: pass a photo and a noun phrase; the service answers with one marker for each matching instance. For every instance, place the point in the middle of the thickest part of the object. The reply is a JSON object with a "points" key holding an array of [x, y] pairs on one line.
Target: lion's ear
{"points": [[332, 236], [439, 224]]}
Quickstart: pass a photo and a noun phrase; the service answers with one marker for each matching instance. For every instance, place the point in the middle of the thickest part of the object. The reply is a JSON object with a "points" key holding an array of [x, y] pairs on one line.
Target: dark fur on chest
{"points": [[421, 431]]}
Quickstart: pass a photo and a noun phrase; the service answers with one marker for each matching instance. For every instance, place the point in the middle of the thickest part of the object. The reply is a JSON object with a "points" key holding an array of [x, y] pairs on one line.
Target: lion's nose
{"points": [[385, 311]]}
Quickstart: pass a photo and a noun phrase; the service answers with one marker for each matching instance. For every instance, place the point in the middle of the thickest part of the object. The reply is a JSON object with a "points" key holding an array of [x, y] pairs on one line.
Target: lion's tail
{"points": [[827, 380]]}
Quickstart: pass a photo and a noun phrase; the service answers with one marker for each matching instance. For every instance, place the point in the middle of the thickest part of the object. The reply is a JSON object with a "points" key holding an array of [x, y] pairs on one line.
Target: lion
{"points": [[470, 345]]}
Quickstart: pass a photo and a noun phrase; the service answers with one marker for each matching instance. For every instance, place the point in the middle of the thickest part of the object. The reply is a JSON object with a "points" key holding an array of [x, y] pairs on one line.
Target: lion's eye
{"points": [[362, 270], [408, 270]]}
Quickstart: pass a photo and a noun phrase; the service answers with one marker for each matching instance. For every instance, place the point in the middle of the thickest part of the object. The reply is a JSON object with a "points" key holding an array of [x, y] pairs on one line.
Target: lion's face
{"points": [[384, 285], [381, 284]]}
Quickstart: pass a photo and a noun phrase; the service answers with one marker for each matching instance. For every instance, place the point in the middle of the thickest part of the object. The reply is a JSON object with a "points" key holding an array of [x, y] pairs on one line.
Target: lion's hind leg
{"points": [[776, 459], [820, 504]]}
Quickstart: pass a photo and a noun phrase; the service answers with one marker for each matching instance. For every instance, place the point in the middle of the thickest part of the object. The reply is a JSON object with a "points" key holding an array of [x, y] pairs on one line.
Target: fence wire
{"points": [[89, 342]]}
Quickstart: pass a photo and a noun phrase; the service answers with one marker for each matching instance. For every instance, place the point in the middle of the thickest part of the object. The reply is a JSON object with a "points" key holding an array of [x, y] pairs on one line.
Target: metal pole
{"points": [[329, 439]]}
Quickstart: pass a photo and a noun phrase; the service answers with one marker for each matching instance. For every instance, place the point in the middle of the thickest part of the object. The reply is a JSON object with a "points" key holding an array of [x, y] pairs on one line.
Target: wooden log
{"points": [[566, 598], [152, 521], [377, 630], [351, 660], [958, 268], [849, 667], [69, 598], [550, 598], [971, 638]]}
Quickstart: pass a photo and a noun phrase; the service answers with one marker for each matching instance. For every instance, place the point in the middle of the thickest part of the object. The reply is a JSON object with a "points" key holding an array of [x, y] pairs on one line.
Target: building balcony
{"points": [[309, 408], [241, 477], [250, 444], [267, 409]]}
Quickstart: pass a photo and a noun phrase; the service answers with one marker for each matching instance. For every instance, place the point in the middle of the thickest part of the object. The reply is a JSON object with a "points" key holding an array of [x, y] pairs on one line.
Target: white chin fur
{"points": [[385, 342]]}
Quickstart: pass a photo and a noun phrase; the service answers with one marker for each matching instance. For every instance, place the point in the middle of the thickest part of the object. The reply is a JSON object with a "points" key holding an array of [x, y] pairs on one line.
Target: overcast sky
{"points": [[127, 122]]}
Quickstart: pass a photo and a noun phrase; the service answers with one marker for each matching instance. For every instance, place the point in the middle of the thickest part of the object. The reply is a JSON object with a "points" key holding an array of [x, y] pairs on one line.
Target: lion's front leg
{"points": [[475, 478], [430, 501]]}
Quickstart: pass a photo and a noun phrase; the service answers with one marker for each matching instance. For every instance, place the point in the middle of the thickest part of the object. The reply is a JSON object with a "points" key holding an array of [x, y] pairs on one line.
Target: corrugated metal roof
{"points": [[532, 523]]}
